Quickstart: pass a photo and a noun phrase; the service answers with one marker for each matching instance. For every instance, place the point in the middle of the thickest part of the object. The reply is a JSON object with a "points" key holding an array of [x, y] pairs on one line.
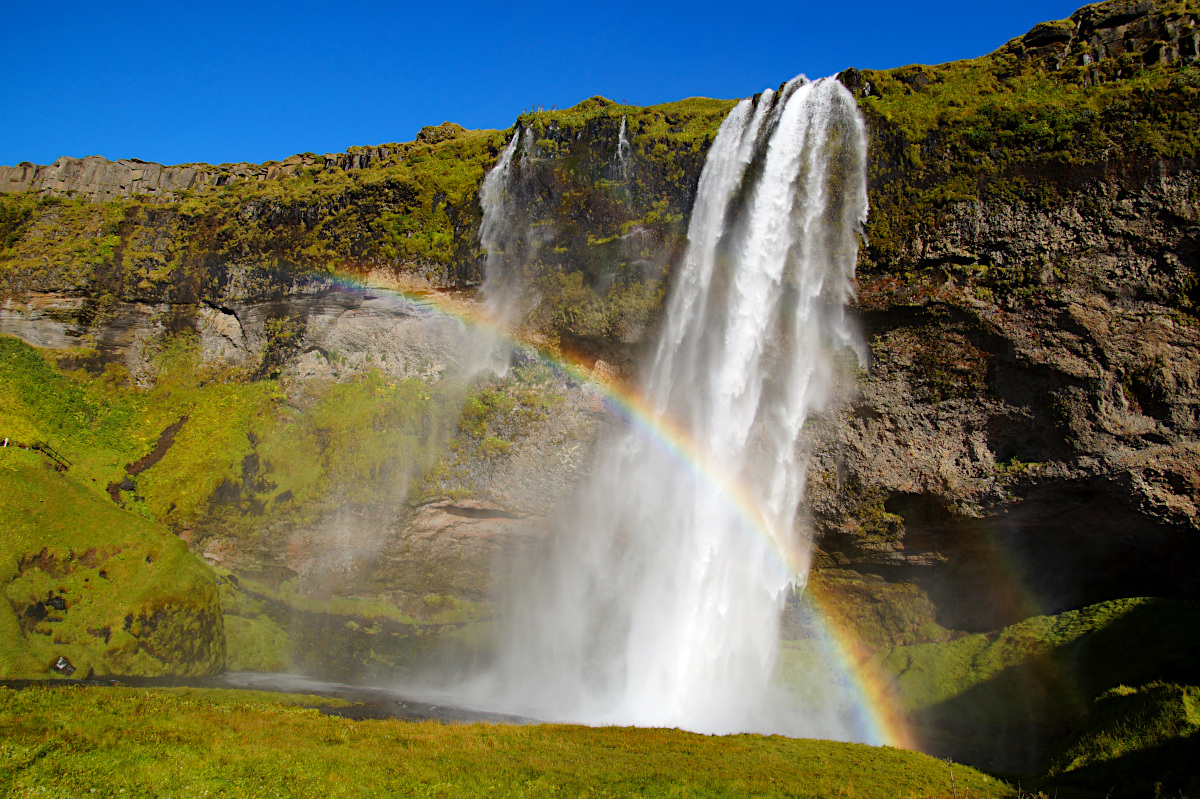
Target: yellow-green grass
{"points": [[265, 625], [101, 425], [257, 643], [1076, 654], [245, 466], [136, 601], [138, 742], [356, 438], [1136, 742]]}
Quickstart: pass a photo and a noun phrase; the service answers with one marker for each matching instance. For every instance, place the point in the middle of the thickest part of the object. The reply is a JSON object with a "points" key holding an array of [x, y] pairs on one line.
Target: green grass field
{"points": [[188, 742]]}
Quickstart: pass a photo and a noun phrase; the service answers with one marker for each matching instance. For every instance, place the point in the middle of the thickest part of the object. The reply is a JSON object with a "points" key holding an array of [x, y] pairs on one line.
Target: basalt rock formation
{"points": [[96, 178]]}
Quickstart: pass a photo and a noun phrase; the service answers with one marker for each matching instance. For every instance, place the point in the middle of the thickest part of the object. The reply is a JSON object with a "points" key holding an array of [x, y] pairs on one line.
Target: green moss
{"points": [[257, 644], [1136, 741], [102, 426], [621, 313], [238, 452], [1129, 719], [491, 447], [928, 674], [878, 613], [276, 628], [485, 409], [1012, 695]]}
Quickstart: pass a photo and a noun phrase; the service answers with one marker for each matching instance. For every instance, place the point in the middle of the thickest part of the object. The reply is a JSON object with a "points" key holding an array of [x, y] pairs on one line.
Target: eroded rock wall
{"points": [[1023, 438]]}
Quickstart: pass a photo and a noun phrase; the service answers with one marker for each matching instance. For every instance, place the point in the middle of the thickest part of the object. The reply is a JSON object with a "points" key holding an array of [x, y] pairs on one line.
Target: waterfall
{"points": [[624, 150], [497, 232], [658, 600]]}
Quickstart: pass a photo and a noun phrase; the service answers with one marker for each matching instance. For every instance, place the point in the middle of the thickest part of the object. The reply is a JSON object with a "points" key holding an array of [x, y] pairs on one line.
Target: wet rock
{"points": [[36, 611], [62, 666]]}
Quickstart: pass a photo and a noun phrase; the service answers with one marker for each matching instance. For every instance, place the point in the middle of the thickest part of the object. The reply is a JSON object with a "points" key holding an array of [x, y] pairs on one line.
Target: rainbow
{"points": [[877, 712]]}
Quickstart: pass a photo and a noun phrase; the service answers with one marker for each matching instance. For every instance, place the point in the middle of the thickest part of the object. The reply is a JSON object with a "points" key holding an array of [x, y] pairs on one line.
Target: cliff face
{"points": [[1025, 430], [1026, 433], [96, 178]]}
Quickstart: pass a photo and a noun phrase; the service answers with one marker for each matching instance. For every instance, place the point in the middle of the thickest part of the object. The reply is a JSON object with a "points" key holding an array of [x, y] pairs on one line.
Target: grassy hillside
{"points": [[189, 742], [110, 591], [1106, 692], [1149, 731], [209, 450]]}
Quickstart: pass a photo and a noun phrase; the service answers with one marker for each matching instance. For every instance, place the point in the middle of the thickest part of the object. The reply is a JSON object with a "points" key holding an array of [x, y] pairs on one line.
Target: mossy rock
{"points": [[433, 134]]}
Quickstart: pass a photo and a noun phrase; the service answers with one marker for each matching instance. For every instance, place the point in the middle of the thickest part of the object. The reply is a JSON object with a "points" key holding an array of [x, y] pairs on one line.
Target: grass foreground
{"points": [[72, 741]]}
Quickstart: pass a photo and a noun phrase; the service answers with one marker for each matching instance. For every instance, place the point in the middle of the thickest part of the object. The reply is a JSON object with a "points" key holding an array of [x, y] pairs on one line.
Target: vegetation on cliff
{"points": [[1102, 694], [414, 210], [1112, 93], [240, 470]]}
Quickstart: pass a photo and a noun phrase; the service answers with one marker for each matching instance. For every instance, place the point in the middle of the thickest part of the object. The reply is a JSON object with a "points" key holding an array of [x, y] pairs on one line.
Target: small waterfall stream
{"points": [[624, 151], [499, 232], [658, 600]]}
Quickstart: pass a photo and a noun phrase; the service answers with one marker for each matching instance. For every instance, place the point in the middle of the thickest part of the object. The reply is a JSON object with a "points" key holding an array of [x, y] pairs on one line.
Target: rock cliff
{"points": [[1024, 432], [96, 178]]}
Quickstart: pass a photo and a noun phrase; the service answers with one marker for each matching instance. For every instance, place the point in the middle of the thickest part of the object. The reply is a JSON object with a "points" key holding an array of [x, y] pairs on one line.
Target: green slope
{"points": [[190, 743], [108, 590]]}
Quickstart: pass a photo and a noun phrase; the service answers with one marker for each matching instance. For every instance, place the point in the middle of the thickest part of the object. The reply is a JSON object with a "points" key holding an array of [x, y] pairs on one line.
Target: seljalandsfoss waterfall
{"points": [[657, 599], [538, 452]]}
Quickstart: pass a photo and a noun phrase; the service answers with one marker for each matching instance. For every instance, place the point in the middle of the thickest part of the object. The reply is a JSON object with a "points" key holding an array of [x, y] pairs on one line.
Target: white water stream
{"points": [[624, 151], [658, 600]]}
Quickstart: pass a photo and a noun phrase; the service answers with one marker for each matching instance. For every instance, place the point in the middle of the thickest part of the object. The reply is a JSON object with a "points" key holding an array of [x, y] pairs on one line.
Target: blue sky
{"points": [[242, 81]]}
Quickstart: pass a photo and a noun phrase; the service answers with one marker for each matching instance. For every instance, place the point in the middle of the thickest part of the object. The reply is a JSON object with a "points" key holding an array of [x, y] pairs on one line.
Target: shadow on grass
{"points": [[1170, 769], [1013, 722]]}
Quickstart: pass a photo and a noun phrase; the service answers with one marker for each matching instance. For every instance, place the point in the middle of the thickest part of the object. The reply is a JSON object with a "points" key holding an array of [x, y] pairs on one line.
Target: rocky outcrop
{"points": [[608, 230], [331, 334], [94, 177], [1112, 30]]}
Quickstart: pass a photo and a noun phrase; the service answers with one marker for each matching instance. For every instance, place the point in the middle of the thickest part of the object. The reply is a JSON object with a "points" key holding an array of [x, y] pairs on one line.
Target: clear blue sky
{"points": [[244, 81]]}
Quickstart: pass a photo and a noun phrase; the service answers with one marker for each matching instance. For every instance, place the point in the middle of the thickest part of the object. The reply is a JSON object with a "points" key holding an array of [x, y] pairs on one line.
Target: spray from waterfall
{"points": [[657, 602]]}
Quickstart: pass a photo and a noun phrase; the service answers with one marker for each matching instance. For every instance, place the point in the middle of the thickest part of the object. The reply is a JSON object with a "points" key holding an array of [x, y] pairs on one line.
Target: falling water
{"points": [[624, 150], [496, 230], [658, 600]]}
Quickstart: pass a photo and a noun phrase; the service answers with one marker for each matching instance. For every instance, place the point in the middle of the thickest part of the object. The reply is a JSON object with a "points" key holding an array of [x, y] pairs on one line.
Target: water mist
{"points": [[657, 601]]}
